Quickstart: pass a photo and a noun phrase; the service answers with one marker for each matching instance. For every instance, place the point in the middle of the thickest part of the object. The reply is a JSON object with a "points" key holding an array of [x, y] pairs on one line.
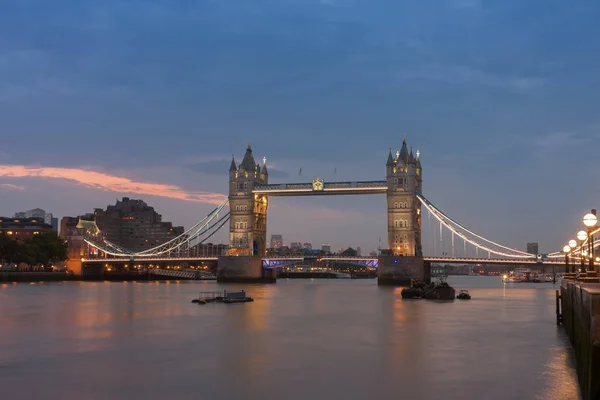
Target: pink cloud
{"points": [[106, 182], [11, 186]]}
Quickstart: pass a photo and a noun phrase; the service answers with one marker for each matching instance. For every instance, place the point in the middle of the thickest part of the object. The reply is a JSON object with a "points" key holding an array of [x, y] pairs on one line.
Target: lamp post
{"points": [[590, 220], [572, 245], [566, 250], [582, 237]]}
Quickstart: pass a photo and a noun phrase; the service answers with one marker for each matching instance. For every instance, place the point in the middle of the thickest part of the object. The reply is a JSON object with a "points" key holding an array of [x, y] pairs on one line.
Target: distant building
{"points": [[276, 241], [373, 254], [326, 248], [533, 248], [23, 228], [295, 246], [38, 213], [134, 225], [358, 251], [307, 246], [349, 252], [209, 250]]}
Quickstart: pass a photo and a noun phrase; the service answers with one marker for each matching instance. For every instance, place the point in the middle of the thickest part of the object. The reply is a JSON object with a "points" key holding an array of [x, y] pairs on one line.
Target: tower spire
{"points": [[248, 162], [404, 156], [390, 159], [264, 167], [232, 167]]}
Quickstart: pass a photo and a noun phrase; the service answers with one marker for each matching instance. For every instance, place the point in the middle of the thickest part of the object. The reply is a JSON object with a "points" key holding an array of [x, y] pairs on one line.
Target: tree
{"points": [[47, 248], [44, 249]]}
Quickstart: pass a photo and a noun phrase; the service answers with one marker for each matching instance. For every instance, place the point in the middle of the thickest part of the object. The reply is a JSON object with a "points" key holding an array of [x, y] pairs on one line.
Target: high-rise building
{"points": [[533, 248], [276, 241], [134, 225], [38, 213], [326, 248]]}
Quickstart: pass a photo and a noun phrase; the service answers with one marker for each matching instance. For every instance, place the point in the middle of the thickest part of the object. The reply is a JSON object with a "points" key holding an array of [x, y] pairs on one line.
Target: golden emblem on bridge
{"points": [[317, 184]]}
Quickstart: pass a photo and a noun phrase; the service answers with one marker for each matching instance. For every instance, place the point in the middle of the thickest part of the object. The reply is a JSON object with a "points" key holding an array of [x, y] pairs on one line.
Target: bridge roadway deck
{"points": [[448, 260], [327, 188]]}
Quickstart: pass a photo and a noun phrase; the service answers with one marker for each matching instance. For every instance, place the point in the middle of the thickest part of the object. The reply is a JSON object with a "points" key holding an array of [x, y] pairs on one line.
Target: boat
{"points": [[222, 297], [412, 293], [416, 290], [463, 294], [440, 290]]}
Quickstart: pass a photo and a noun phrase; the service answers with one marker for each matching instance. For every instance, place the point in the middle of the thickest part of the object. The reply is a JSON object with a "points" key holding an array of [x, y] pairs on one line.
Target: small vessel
{"points": [[222, 297], [440, 290], [463, 294], [416, 290]]}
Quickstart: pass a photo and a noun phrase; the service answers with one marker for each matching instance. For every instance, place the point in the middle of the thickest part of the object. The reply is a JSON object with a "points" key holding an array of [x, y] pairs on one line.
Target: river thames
{"points": [[299, 339]]}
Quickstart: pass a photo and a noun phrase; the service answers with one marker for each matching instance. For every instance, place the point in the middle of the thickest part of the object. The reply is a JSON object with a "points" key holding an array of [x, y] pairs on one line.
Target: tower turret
{"points": [[390, 159]]}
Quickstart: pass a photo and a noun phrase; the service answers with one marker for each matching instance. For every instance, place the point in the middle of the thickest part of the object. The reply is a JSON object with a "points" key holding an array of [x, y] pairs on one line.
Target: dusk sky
{"points": [[149, 99]]}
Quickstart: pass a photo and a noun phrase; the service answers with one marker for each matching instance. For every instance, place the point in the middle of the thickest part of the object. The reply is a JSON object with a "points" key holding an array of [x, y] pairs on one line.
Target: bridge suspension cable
{"points": [[197, 234], [478, 241]]}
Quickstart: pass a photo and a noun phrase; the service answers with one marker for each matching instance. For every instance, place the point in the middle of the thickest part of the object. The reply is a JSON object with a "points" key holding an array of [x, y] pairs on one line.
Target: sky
{"points": [[149, 99]]}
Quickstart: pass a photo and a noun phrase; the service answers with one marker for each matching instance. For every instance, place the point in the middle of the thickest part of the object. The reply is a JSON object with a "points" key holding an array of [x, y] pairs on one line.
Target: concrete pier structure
{"points": [[400, 270], [243, 269], [580, 304]]}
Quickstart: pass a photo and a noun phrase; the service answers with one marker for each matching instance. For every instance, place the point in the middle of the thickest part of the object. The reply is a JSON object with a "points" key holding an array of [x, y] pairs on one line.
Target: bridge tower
{"points": [[404, 180], [248, 222]]}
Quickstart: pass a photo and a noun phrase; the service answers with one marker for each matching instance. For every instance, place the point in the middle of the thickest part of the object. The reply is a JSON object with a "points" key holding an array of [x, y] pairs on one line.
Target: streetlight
{"points": [[582, 236], [566, 250], [590, 220], [572, 245]]}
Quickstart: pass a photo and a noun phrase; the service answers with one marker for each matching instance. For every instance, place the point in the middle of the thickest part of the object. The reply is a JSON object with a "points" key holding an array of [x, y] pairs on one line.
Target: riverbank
{"points": [[580, 304], [64, 276]]}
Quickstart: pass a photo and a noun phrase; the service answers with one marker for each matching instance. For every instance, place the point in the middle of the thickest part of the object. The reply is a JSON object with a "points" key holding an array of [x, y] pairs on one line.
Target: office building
{"points": [[23, 228], [326, 248], [276, 241], [533, 248], [307, 246], [134, 225], [38, 213]]}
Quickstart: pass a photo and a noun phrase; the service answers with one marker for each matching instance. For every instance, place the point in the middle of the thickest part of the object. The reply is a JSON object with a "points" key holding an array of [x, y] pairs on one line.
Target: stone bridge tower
{"points": [[404, 181], [248, 222]]}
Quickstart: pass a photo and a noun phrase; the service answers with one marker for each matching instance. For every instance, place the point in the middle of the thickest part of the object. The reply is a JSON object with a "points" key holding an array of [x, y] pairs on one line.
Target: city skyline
{"points": [[149, 101]]}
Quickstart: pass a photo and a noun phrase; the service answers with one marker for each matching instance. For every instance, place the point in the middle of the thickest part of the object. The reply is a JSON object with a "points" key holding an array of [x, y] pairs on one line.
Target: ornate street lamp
{"points": [[572, 245], [590, 220], [582, 236], [566, 250]]}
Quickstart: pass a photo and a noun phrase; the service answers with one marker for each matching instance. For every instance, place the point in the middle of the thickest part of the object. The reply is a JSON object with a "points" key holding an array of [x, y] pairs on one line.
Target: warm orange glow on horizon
{"points": [[110, 183]]}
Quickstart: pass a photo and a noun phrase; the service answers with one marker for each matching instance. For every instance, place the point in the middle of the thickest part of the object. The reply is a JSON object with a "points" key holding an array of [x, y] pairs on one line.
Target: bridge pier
{"points": [[244, 269], [399, 270]]}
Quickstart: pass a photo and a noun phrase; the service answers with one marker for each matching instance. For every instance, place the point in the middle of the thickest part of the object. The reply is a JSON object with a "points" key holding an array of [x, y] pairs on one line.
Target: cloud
{"points": [[111, 183], [11, 186], [464, 74]]}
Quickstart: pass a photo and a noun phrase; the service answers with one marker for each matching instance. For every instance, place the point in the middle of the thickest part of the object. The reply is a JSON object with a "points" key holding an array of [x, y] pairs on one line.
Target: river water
{"points": [[299, 339]]}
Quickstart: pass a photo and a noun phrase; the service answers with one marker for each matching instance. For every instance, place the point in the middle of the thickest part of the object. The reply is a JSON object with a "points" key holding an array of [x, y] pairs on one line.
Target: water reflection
{"points": [[299, 339]]}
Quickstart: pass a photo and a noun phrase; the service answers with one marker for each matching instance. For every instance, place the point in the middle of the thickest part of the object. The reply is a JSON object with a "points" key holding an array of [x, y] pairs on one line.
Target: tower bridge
{"points": [[248, 200]]}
